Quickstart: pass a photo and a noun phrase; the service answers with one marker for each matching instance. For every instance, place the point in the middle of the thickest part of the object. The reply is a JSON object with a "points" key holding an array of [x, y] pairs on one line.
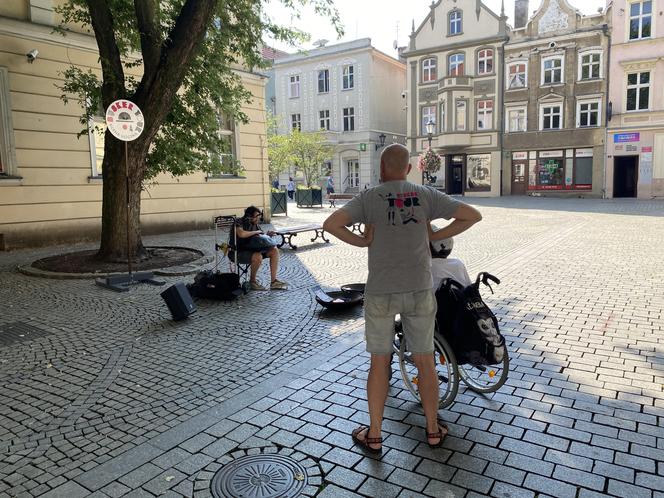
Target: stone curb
{"points": [[174, 271]]}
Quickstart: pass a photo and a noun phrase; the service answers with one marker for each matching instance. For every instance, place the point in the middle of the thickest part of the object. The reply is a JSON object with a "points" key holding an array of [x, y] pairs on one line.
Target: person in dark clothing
{"points": [[246, 228]]}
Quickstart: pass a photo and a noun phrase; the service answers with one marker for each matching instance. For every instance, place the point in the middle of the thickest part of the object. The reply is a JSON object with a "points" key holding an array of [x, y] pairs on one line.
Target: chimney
{"points": [[520, 13]]}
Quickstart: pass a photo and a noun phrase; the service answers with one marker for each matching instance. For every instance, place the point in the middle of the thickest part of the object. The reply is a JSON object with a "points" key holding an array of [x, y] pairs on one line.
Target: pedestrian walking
{"points": [[396, 215], [329, 186], [290, 188]]}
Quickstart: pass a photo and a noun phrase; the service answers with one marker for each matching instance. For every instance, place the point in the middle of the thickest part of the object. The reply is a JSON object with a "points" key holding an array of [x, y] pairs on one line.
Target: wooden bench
{"points": [[287, 234], [332, 198]]}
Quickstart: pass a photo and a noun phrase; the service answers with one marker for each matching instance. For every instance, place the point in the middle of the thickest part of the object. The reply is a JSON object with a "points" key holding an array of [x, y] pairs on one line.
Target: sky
{"points": [[378, 19]]}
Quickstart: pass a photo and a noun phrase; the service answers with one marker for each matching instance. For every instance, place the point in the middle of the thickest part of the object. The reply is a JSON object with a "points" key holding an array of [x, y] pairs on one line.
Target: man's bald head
{"points": [[394, 163]]}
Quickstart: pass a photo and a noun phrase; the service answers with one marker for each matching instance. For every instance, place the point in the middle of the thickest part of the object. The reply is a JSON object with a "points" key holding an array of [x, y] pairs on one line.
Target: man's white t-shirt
{"points": [[442, 268]]}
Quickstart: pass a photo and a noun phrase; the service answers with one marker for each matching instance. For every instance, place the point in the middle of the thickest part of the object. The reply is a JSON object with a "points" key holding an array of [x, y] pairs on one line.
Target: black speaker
{"points": [[179, 301]]}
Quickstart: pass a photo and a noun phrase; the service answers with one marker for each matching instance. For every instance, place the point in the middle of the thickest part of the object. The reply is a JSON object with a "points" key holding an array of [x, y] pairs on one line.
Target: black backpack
{"points": [[468, 324], [211, 285]]}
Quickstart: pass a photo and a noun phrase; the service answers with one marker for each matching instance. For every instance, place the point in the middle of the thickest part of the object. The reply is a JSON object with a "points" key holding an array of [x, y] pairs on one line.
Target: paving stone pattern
{"points": [[112, 398]]}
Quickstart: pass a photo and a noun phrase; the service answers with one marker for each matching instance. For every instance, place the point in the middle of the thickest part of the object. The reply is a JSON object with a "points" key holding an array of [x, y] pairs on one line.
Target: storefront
{"points": [[462, 174], [561, 170]]}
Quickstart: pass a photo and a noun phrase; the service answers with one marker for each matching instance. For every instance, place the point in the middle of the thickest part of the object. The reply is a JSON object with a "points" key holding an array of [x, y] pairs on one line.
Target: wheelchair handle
{"points": [[485, 277]]}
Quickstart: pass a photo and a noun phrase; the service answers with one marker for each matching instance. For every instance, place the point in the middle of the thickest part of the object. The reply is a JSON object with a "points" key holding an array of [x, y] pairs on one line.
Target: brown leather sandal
{"points": [[364, 443], [432, 435]]}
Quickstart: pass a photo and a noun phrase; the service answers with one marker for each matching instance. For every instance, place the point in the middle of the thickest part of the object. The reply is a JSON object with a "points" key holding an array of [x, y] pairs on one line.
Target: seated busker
{"points": [[251, 238]]}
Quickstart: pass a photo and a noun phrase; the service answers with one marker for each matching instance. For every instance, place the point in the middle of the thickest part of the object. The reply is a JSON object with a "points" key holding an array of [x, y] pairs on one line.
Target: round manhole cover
{"points": [[259, 476]]}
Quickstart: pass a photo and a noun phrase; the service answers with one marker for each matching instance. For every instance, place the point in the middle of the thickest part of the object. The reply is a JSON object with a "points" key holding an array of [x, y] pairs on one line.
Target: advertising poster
{"points": [[479, 172], [532, 176]]}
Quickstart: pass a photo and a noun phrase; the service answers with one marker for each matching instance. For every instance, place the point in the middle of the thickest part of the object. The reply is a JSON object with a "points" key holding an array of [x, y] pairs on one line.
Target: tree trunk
{"points": [[114, 205]]}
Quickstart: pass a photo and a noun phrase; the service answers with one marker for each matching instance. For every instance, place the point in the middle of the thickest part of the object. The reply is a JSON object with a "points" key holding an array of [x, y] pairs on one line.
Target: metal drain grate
{"points": [[11, 333], [260, 476]]}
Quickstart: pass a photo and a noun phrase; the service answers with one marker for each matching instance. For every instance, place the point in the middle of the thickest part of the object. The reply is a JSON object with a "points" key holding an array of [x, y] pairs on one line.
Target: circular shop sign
{"points": [[124, 120]]}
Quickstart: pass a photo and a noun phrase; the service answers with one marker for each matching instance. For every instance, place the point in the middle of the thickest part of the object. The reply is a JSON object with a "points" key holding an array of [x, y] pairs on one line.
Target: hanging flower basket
{"points": [[429, 162]]}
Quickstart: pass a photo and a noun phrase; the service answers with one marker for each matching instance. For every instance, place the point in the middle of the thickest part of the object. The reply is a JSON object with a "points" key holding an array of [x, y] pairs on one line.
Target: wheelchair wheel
{"points": [[446, 369], [485, 378]]}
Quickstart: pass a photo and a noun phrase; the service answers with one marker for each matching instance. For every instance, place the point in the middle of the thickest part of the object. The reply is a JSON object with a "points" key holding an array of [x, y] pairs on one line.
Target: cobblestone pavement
{"points": [[101, 394]]}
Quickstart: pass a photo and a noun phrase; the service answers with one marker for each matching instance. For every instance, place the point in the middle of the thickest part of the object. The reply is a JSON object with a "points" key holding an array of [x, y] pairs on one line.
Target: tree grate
{"points": [[17, 332]]}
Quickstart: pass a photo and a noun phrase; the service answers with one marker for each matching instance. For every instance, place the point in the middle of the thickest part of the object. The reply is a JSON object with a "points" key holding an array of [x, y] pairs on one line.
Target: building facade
{"points": [[51, 180], [635, 135], [455, 81], [352, 92], [556, 83]]}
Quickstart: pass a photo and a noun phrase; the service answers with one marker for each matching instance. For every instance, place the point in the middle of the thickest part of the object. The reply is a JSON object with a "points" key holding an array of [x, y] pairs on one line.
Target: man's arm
{"points": [[464, 217], [336, 223], [243, 234]]}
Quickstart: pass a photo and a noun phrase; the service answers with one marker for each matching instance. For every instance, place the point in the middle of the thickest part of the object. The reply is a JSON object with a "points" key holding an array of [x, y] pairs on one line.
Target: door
{"points": [[455, 174], [519, 177], [625, 176], [353, 173]]}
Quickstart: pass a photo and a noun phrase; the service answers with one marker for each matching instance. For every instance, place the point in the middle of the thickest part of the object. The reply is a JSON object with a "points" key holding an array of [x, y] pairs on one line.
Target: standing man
{"points": [[290, 187], [399, 280]]}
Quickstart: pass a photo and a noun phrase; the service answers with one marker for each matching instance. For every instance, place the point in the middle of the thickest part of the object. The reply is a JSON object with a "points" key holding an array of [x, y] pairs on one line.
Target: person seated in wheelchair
{"points": [[251, 238], [442, 266]]}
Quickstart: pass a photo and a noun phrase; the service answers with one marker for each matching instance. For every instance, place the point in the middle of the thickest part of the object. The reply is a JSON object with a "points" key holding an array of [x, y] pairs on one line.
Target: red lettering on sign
{"points": [[114, 108]]}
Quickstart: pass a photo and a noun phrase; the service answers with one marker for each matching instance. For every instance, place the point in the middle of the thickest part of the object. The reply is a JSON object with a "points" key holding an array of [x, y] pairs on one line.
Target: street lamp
{"points": [[431, 126], [381, 137]]}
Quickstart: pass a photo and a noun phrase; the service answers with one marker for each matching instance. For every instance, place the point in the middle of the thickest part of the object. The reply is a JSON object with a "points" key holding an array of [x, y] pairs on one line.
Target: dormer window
{"points": [[456, 22]]}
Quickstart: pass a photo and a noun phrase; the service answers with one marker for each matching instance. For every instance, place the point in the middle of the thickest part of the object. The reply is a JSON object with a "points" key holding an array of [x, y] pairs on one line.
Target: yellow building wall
{"points": [[57, 200]]}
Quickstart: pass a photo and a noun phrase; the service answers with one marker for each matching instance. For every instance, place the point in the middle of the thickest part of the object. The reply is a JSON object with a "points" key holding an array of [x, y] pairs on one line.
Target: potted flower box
{"points": [[309, 197]]}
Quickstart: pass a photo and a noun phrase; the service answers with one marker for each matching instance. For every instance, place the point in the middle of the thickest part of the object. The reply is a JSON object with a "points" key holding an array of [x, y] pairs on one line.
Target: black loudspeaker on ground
{"points": [[179, 301]]}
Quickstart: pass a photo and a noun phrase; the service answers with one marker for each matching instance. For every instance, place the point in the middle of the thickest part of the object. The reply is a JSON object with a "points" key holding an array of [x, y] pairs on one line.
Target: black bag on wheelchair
{"points": [[211, 285], [468, 324]]}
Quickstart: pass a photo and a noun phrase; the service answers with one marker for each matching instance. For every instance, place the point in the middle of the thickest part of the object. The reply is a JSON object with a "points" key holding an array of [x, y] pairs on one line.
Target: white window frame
{"points": [[348, 77], [561, 105], [486, 59], [581, 64], [507, 75], [484, 112], [324, 119], [294, 86], [638, 86], [296, 121], [430, 116], [640, 17], [523, 108], [456, 115], [561, 58], [92, 140], [326, 80], [581, 102], [458, 19], [456, 55], [350, 116], [232, 132], [430, 70], [441, 116], [7, 144]]}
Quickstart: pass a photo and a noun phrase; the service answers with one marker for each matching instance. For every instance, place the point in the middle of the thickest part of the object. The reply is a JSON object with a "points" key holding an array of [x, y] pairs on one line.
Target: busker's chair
{"points": [[225, 240]]}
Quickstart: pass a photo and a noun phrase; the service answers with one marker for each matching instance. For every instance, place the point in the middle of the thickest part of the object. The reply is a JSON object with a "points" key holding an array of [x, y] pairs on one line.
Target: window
{"points": [[96, 134], [456, 64], [296, 123], [551, 117], [478, 172], [588, 114], [324, 81], [638, 91], [456, 24], [428, 114], [591, 65], [485, 114], [7, 148], [485, 61], [516, 119], [640, 20], [552, 70], [441, 119], [349, 118], [294, 87], [429, 70], [324, 117], [570, 169], [460, 115], [227, 153], [348, 78], [516, 75]]}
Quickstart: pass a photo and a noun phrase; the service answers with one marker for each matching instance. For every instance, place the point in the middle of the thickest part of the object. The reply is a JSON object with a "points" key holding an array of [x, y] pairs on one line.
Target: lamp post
{"points": [[431, 126]]}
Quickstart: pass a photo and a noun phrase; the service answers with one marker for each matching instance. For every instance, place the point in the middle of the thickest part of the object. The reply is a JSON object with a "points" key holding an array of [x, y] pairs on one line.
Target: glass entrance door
{"points": [[353, 173]]}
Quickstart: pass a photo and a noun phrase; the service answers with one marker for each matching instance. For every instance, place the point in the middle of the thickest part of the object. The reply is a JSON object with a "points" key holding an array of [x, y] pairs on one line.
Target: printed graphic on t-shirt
{"points": [[402, 203]]}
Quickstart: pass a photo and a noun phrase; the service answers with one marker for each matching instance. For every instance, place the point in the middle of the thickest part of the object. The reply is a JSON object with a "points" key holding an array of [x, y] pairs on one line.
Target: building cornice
{"points": [[454, 46], [529, 42]]}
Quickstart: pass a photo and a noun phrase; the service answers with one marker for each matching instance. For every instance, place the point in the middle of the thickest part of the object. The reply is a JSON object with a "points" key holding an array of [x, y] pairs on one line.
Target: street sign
{"points": [[363, 147], [124, 120]]}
